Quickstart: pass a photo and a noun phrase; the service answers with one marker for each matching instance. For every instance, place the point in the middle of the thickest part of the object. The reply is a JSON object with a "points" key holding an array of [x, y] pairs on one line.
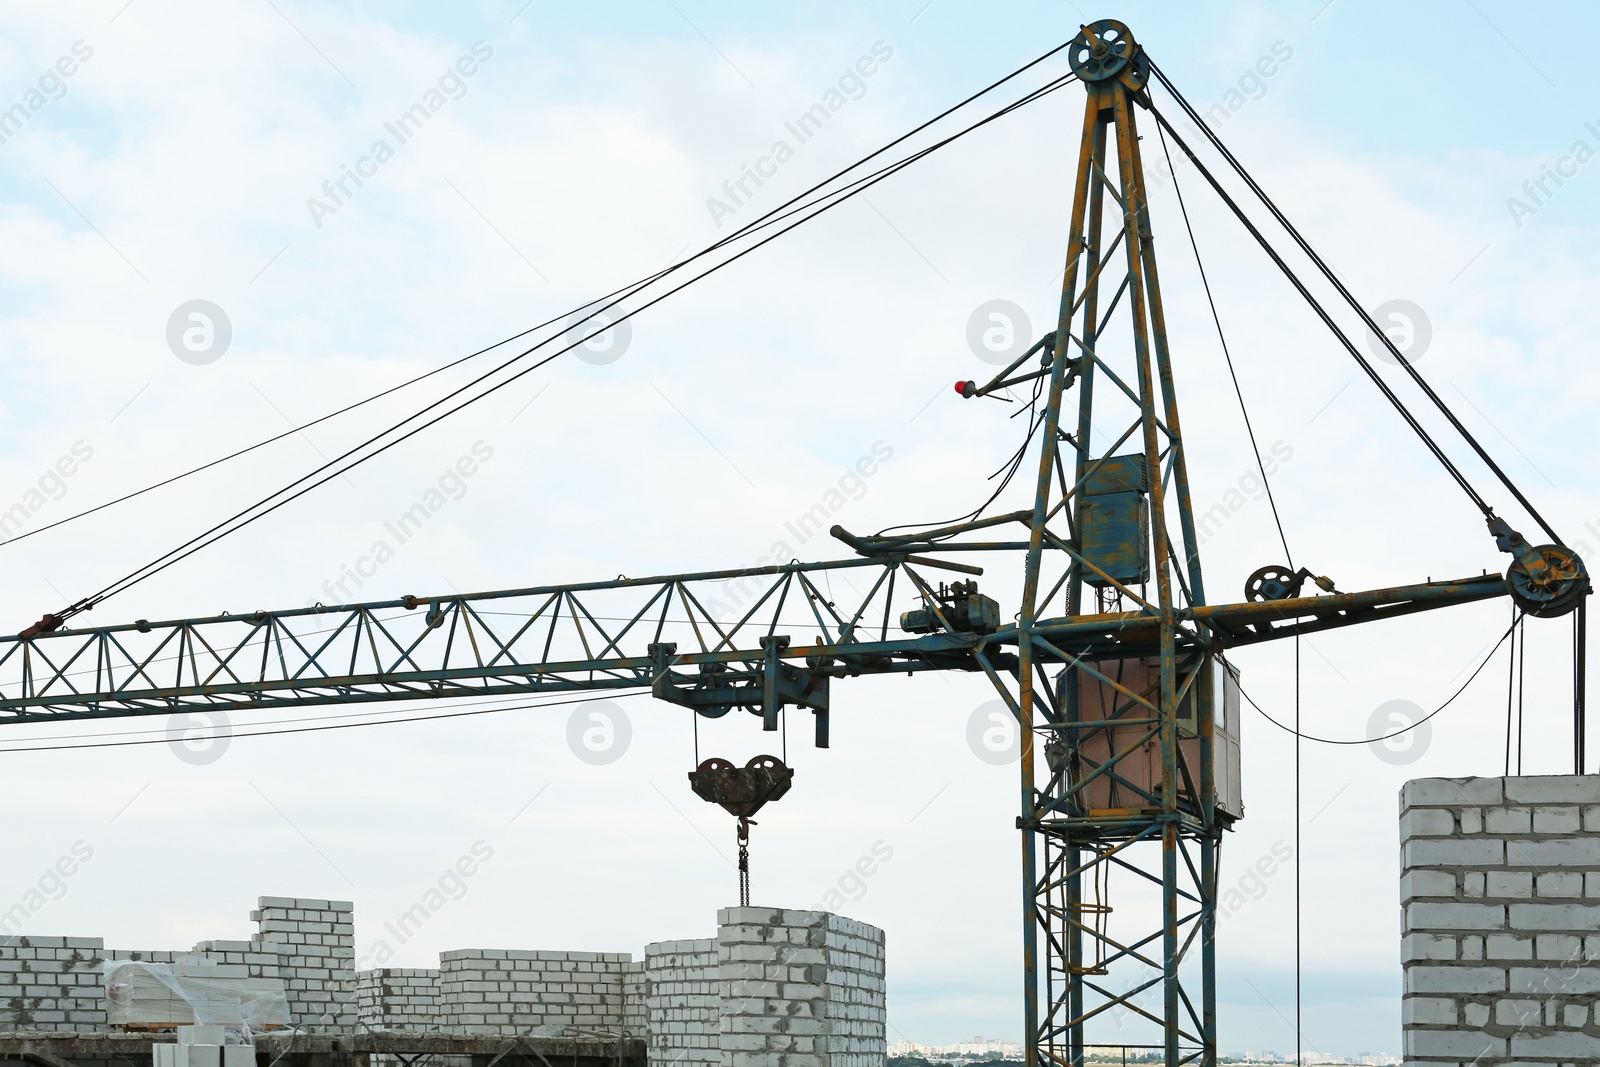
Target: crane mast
{"points": [[1113, 662]]}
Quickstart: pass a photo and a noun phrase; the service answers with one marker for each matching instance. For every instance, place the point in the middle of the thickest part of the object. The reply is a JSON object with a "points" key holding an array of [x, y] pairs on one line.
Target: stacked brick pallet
{"points": [[1500, 883]]}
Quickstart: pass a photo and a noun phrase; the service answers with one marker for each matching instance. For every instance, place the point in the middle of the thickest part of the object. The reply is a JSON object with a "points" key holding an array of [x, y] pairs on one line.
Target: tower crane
{"points": [[1113, 661]]}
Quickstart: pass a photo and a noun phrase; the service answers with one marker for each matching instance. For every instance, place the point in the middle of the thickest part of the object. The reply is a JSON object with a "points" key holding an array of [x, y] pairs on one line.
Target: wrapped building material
{"points": [[146, 996]]}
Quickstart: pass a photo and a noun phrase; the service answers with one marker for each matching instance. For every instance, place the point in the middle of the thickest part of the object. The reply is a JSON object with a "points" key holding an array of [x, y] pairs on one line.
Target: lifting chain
{"points": [[744, 861]]}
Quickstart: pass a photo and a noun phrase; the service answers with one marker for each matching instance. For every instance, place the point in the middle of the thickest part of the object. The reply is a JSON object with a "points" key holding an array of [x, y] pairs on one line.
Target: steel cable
{"points": [[826, 202], [1366, 318]]}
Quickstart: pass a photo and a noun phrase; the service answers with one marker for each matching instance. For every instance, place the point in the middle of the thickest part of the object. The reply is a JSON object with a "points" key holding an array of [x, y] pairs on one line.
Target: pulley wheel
{"points": [[1271, 582], [1112, 49], [1559, 594]]}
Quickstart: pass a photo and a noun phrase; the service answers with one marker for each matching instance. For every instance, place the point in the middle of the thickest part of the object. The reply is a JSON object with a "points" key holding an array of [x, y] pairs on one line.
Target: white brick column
{"points": [[800, 989], [1500, 885]]}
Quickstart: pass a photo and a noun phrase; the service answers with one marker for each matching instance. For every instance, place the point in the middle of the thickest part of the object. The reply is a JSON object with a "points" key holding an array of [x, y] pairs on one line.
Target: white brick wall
{"points": [[683, 1002], [774, 989], [1500, 886], [315, 944], [259, 961], [507, 991], [635, 1013], [402, 998], [398, 998], [800, 989], [51, 983], [855, 985]]}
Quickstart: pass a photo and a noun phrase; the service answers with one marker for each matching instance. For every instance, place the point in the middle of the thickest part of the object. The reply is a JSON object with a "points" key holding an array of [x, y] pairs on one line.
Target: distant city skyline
{"points": [[979, 1046]]}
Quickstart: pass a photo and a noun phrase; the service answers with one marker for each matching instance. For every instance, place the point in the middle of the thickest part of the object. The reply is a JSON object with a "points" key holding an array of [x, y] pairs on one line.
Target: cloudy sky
{"points": [[176, 152]]}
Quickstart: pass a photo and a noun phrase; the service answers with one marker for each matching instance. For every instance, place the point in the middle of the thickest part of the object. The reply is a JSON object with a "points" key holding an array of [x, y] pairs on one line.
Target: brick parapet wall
{"points": [[683, 1003], [635, 1011], [52, 983], [398, 998], [1500, 886], [509, 991]]}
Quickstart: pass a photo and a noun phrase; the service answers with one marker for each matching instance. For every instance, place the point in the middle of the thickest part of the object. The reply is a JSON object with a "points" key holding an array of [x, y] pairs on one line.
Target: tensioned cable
{"points": [[314, 422], [1226, 354], [329, 726], [239, 519], [225, 529], [1355, 305], [1327, 319], [1397, 733], [633, 286]]}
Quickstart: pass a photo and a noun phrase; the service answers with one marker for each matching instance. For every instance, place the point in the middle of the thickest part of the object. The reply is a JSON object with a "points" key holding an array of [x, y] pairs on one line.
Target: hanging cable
{"points": [[1299, 1044], [1226, 354], [1385, 737], [1580, 658], [1511, 682], [476, 709], [300, 487], [1355, 305], [1009, 469], [1522, 677], [165, 731]]}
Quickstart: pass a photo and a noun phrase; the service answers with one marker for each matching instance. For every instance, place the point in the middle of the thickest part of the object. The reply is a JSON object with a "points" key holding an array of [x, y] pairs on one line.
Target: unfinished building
{"points": [[774, 986]]}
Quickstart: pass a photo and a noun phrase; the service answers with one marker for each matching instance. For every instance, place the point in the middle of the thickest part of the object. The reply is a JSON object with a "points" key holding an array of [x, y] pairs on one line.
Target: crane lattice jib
{"points": [[686, 636]]}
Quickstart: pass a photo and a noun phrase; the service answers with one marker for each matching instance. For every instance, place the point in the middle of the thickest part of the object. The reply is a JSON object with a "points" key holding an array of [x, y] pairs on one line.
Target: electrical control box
{"points": [[1114, 521], [1110, 722]]}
